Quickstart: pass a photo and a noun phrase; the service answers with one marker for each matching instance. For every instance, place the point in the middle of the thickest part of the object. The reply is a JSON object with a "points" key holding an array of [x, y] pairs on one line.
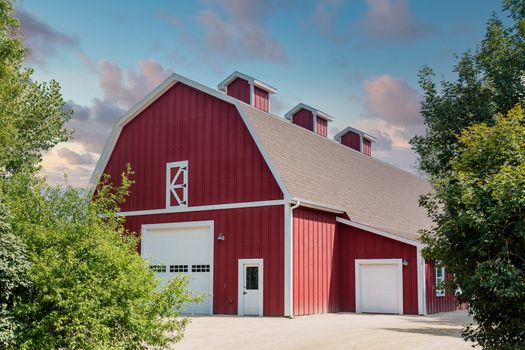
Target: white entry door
{"points": [[250, 287], [379, 286], [183, 248]]}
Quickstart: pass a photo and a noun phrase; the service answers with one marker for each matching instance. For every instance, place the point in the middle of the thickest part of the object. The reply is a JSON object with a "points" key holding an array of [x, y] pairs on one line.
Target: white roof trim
{"points": [[224, 84], [379, 232], [315, 111], [156, 93], [359, 132], [316, 205]]}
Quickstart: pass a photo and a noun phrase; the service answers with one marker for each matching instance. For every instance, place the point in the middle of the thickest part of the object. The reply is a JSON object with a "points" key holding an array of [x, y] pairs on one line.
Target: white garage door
{"points": [[182, 248], [379, 286]]}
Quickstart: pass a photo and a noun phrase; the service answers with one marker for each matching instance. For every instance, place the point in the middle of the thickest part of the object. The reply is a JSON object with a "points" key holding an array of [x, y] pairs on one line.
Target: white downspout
{"points": [[288, 258]]}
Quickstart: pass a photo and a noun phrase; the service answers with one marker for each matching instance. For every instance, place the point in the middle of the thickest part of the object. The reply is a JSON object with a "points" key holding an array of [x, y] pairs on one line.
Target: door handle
{"points": [[245, 292]]}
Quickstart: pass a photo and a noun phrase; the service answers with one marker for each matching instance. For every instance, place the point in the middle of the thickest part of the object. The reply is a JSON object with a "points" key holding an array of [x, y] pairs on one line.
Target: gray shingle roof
{"points": [[318, 169]]}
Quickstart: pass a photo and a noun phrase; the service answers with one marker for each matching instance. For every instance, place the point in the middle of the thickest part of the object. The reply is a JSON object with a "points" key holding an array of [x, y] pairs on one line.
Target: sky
{"points": [[356, 60]]}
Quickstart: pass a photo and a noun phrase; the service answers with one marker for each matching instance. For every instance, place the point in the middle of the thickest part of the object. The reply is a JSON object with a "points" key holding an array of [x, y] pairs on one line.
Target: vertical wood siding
{"points": [[354, 244], [224, 163], [314, 262], [249, 233], [437, 304], [352, 140], [240, 89], [261, 99], [322, 126], [367, 147], [304, 118]]}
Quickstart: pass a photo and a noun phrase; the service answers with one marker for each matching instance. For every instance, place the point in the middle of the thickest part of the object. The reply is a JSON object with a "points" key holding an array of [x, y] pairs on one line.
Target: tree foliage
{"points": [[480, 231], [90, 287], [70, 274], [474, 154]]}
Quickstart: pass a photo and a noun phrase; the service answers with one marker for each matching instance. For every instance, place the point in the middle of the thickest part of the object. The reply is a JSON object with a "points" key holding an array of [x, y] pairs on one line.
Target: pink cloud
{"points": [[126, 87], [390, 20], [393, 101]]}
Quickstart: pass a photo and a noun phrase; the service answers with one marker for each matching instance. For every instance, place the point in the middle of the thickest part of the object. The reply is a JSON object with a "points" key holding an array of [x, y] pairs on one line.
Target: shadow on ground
{"points": [[428, 331]]}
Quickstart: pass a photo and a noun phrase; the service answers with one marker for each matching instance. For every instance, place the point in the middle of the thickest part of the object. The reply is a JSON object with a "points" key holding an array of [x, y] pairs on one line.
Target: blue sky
{"points": [[356, 60]]}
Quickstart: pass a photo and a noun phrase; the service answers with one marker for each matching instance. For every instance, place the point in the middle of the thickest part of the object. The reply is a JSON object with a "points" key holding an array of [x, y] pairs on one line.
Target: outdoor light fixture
{"points": [[220, 237], [405, 262]]}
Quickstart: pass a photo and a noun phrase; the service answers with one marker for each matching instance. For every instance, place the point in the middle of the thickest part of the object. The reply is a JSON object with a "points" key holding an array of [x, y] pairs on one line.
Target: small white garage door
{"points": [[379, 286], [182, 248]]}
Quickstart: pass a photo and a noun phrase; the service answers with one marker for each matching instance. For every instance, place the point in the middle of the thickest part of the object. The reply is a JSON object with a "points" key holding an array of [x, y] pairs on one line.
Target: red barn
{"points": [[269, 216]]}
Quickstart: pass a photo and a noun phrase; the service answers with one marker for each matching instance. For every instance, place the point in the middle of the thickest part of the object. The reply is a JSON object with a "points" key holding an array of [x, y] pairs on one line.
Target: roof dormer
{"points": [[248, 89], [356, 139], [310, 118]]}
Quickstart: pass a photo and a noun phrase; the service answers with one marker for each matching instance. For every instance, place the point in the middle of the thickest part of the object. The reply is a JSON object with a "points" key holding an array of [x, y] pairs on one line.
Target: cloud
{"points": [[125, 87], [325, 13], [231, 30], [41, 39], [92, 123], [392, 21], [75, 158], [393, 101]]}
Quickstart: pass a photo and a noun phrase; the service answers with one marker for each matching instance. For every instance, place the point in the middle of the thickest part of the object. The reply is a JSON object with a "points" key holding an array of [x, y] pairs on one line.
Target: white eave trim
{"points": [[224, 84], [379, 232], [316, 205], [315, 112], [151, 97]]}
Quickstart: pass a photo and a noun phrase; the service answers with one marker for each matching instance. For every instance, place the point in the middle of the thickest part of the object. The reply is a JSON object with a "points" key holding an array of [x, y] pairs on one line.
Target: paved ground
{"points": [[329, 331]]}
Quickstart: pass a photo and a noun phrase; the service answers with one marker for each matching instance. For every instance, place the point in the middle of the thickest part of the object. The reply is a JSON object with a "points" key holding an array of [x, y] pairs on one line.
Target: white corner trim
{"points": [[379, 232], [181, 209], [147, 228], [151, 97], [240, 284], [288, 258], [359, 262], [421, 288]]}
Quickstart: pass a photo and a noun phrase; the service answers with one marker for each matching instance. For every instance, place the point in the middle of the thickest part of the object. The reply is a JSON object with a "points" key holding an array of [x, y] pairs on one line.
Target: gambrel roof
{"points": [[315, 170]]}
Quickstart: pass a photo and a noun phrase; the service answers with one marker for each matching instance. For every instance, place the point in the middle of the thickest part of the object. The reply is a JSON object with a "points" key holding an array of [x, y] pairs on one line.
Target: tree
{"points": [[31, 121], [91, 289], [474, 158], [480, 232], [70, 274], [490, 81]]}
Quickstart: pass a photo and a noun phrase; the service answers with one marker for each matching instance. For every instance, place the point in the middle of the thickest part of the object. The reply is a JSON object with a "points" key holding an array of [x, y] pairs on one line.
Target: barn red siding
{"points": [[367, 147], [303, 117], [314, 262], [322, 126], [358, 244], [261, 99], [437, 304], [249, 233], [224, 163], [352, 140], [240, 89]]}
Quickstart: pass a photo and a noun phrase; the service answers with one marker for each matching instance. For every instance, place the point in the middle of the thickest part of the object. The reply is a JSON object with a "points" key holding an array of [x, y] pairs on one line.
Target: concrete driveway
{"points": [[328, 331]]}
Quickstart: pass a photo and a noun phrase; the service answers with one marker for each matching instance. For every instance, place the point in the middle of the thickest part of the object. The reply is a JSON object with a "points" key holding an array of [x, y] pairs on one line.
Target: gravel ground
{"points": [[328, 331]]}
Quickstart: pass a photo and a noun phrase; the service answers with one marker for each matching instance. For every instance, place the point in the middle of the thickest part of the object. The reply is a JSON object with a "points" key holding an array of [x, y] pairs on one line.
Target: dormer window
{"points": [[177, 184]]}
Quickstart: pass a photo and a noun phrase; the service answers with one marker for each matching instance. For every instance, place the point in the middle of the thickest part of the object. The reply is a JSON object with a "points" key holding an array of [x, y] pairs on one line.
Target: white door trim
{"points": [[359, 262], [240, 284], [147, 228]]}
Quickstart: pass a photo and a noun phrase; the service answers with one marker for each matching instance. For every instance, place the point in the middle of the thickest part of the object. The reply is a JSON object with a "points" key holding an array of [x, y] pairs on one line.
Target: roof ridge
{"points": [[334, 142]]}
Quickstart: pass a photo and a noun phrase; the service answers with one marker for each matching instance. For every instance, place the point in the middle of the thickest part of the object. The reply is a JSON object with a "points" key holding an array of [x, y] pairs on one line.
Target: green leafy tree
{"points": [[90, 287], [479, 209], [70, 275], [473, 156], [31, 121], [490, 81]]}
